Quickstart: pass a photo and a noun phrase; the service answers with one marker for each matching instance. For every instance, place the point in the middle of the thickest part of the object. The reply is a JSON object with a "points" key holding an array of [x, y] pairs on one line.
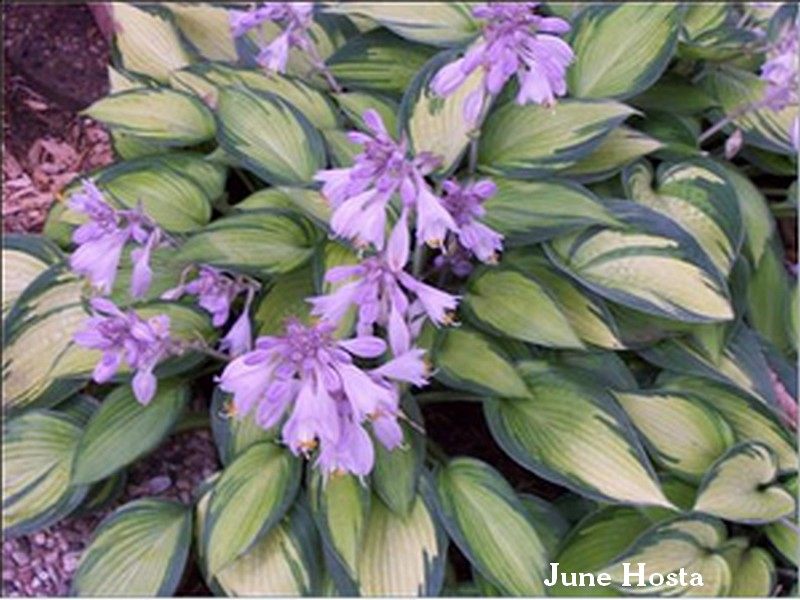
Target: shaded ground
{"points": [[54, 65]]}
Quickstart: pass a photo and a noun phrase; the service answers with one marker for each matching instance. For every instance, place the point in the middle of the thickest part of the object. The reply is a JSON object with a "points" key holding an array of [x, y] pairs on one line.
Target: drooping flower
{"points": [[465, 204], [295, 19], [780, 72], [360, 194], [311, 377], [124, 337], [216, 290], [386, 295], [514, 41], [102, 240]]}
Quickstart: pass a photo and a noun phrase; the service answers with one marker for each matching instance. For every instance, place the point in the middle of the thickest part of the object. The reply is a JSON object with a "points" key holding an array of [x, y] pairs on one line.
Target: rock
{"points": [[70, 561], [159, 484]]}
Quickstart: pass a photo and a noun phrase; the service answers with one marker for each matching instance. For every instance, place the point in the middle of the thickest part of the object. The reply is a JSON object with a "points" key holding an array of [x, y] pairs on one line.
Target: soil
{"points": [[54, 64]]}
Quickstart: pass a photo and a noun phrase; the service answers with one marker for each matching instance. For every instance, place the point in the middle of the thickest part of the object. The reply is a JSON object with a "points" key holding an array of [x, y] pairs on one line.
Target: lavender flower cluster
{"points": [[334, 395], [333, 399], [780, 72], [514, 41]]}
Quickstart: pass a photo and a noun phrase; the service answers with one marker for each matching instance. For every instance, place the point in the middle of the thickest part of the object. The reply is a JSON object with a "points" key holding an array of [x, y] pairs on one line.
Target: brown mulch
{"points": [[54, 65]]}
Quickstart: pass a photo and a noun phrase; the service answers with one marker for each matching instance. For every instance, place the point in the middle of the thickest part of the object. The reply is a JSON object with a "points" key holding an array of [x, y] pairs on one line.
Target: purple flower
{"points": [[512, 43], [239, 338], [386, 296], [780, 72], [102, 240], [311, 377], [361, 194], [126, 337], [216, 290], [465, 205], [294, 17]]}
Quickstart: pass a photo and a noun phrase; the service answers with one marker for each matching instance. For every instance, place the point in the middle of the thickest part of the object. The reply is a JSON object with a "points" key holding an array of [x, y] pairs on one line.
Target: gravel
{"points": [[42, 563]]}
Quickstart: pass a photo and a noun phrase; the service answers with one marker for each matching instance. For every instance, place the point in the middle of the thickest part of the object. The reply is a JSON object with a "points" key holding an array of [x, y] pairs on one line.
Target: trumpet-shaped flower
{"points": [[360, 194], [102, 240], [216, 290], [124, 337], [465, 204], [311, 377], [385, 295], [514, 41], [295, 19]]}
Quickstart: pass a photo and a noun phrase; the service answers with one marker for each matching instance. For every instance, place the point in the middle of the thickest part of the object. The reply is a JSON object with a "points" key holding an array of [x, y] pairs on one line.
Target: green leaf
{"points": [[233, 434], [396, 473], [742, 363], [355, 104], [749, 418], [685, 435], [619, 148], [29, 356], [269, 136], [679, 93], [597, 540], [285, 298], [736, 91], [148, 43], [25, 257], [741, 487], [652, 266], [490, 525], [621, 49], [769, 299], [37, 453], [341, 510], [402, 555], [439, 24], [529, 212], [698, 196], [700, 18], [435, 124], [122, 430], [571, 432], [172, 118], [174, 189], [207, 28], [309, 203], [102, 495], [379, 61], [467, 360], [588, 316], [314, 105], [140, 549], [551, 140], [784, 536], [759, 226], [263, 242], [753, 574], [252, 495], [547, 520], [686, 542], [79, 408], [284, 562], [502, 299]]}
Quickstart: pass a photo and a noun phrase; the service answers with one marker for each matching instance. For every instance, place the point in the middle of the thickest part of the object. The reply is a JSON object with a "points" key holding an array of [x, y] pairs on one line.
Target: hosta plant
{"points": [[390, 244]]}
